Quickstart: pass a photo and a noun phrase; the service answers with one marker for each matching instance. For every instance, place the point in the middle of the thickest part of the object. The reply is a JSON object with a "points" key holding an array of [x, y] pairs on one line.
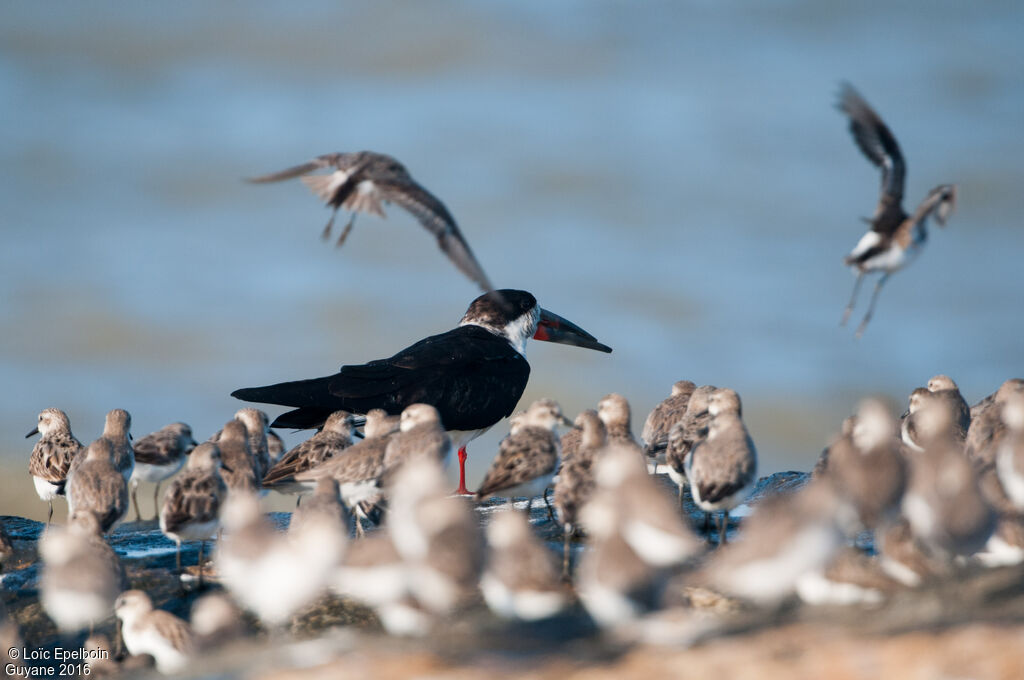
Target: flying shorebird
{"points": [[895, 237], [361, 181], [473, 374]]}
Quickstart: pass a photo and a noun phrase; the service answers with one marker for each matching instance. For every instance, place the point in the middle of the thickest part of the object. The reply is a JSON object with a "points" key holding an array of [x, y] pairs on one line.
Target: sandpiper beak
{"points": [[34, 432], [554, 328], [565, 421]]}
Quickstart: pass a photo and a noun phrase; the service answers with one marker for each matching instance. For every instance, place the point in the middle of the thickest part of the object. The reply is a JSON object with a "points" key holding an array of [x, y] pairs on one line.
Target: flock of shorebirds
{"points": [[938, 488]]}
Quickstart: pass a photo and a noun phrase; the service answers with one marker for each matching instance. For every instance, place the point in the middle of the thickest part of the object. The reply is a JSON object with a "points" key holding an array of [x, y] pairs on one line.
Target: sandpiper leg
{"points": [[853, 299], [871, 306], [177, 565], [298, 500], [200, 563], [680, 496], [551, 514], [156, 501], [529, 507], [135, 499], [566, 535], [344, 232], [359, 527], [50, 516], [722, 539], [707, 524], [326, 233], [462, 490], [118, 641]]}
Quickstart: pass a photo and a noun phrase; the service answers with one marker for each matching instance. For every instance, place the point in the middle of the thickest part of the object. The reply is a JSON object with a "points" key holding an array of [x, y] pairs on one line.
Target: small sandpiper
{"points": [[52, 455], [936, 402], [521, 578], [362, 181], [686, 434], [437, 536], [191, 507], [902, 558], [987, 426], [1001, 394], [159, 456], [271, 574], [156, 632], [786, 537], [661, 419], [648, 519], [867, 470], [257, 425], [97, 486], [527, 457], [335, 437], [358, 472], [947, 389], [614, 583], [615, 412], [722, 469], [216, 621], [575, 482], [323, 508], [275, 447], [1010, 456], [373, 573], [117, 430], [895, 237], [82, 575], [1006, 545], [943, 502], [240, 468], [420, 434]]}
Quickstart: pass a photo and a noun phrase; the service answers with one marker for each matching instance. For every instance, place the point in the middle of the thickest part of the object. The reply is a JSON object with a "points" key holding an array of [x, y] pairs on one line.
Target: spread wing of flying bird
{"points": [[879, 145], [362, 181]]}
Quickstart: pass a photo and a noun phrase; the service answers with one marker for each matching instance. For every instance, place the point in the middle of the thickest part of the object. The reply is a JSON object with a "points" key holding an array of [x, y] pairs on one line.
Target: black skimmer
{"points": [[361, 181], [895, 237], [473, 374]]}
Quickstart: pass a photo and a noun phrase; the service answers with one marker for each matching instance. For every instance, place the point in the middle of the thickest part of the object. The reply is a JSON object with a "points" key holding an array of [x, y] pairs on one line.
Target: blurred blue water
{"points": [[671, 176]]}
